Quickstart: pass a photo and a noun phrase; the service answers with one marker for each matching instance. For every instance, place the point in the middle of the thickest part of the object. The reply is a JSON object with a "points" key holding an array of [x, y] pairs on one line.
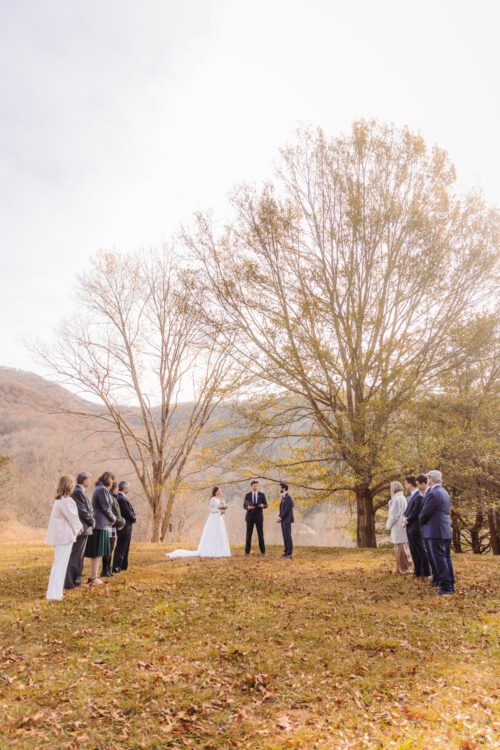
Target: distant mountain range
{"points": [[43, 443]]}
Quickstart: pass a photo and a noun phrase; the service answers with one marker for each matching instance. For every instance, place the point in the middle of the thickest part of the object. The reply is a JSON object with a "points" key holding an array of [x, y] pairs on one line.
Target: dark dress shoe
{"points": [[107, 574], [116, 570]]}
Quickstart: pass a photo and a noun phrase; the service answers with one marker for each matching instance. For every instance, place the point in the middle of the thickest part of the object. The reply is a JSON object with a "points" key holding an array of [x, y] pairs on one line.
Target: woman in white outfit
{"points": [[397, 506], [64, 527], [213, 541]]}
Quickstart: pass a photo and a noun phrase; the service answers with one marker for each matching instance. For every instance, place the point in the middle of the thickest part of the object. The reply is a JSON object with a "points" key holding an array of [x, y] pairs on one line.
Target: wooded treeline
{"points": [[346, 314]]}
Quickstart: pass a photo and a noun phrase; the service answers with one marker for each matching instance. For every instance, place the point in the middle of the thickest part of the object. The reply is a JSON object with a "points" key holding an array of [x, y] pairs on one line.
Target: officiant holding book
{"points": [[254, 504]]}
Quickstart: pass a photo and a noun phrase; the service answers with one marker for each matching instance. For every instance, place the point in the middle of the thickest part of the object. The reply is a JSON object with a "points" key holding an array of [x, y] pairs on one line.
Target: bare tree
{"points": [[139, 349], [341, 282]]}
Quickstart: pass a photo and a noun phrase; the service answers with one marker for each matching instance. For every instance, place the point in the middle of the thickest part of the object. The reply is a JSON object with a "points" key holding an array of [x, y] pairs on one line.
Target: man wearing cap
{"points": [[436, 529], [77, 556]]}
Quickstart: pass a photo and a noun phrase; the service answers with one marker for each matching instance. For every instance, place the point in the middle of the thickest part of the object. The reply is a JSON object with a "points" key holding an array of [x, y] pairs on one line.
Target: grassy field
{"points": [[330, 650]]}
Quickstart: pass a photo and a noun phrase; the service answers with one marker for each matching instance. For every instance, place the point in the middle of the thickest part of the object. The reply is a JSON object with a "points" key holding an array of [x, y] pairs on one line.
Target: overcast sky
{"points": [[119, 118]]}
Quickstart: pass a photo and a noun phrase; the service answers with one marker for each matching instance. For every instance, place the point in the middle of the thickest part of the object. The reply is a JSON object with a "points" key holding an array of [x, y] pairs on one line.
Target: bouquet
{"points": [[222, 507]]}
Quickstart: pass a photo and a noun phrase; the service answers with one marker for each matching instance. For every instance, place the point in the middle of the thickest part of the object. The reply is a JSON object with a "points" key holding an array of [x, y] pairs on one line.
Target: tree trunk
{"points": [[156, 508], [494, 527], [455, 530], [167, 515], [365, 535], [475, 532], [164, 526]]}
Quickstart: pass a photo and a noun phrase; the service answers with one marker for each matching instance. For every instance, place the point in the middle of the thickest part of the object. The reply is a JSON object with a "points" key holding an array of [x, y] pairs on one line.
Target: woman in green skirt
{"points": [[102, 509]]}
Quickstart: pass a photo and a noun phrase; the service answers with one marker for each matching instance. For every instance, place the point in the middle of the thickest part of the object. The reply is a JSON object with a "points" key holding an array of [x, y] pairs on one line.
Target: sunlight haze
{"points": [[120, 119]]}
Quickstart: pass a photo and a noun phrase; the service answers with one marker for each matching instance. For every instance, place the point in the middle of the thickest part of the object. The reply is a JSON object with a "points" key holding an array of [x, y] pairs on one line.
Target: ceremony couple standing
{"points": [[214, 540]]}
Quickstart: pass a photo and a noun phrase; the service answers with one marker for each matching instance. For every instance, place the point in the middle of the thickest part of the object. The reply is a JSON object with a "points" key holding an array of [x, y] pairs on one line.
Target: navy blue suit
{"points": [[436, 529], [286, 518], [416, 544]]}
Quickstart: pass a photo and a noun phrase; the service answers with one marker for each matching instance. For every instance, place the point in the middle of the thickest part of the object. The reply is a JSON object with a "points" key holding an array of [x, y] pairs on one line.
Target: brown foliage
{"points": [[340, 284]]}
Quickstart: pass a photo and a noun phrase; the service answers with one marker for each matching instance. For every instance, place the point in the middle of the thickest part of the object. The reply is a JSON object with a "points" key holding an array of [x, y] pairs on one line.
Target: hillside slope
{"points": [[44, 443]]}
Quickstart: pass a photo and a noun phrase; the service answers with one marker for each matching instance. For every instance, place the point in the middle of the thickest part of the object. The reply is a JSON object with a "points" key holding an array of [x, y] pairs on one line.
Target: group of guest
{"points": [[422, 525], [100, 529]]}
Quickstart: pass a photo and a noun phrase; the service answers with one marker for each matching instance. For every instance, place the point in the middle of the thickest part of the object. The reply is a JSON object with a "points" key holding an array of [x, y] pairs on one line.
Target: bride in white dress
{"points": [[213, 541]]}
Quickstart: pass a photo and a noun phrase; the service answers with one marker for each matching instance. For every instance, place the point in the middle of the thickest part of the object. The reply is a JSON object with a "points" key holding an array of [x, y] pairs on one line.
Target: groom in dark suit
{"points": [[254, 504], [286, 519]]}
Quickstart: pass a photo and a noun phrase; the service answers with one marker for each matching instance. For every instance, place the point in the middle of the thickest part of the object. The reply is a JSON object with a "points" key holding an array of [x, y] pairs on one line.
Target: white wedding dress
{"points": [[213, 540]]}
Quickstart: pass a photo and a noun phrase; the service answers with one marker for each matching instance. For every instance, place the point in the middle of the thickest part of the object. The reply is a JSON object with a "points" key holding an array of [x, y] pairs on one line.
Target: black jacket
{"points": [[286, 509], [126, 508], [412, 512], [254, 511], [120, 521], [84, 510]]}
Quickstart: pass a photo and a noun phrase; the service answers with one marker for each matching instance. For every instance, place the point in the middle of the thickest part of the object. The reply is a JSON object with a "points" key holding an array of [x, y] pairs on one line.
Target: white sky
{"points": [[120, 118]]}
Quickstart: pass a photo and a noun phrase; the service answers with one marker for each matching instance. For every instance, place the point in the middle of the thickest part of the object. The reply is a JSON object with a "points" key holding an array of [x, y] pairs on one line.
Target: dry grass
{"points": [[11, 530], [330, 650]]}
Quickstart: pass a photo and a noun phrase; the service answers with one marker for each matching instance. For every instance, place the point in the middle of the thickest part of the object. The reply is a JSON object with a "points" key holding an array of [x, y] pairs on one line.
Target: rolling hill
{"points": [[42, 443]]}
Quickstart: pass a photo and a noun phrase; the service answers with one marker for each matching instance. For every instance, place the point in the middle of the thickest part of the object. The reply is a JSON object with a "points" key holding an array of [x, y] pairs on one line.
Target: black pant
{"points": [[75, 564], [286, 529], [106, 561], [440, 550], [418, 554], [258, 522], [120, 559]]}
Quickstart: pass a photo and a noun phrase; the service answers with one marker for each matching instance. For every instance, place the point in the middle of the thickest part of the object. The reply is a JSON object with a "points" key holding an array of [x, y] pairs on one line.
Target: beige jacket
{"points": [[64, 523], [397, 506]]}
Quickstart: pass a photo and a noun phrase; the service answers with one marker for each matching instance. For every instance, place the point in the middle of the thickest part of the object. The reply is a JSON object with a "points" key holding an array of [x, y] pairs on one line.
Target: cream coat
{"points": [[397, 506], [64, 523]]}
